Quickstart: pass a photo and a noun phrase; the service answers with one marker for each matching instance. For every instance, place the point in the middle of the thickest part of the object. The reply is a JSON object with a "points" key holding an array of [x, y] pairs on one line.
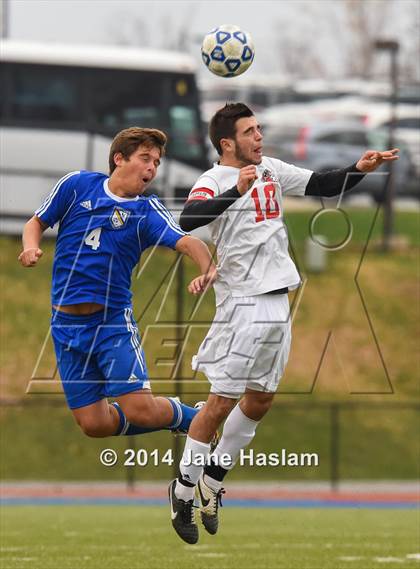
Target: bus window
{"points": [[3, 92], [185, 140], [120, 99], [45, 94], [185, 137]]}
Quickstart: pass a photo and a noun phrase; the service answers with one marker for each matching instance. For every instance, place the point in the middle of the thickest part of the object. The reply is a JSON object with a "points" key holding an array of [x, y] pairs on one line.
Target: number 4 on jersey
{"points": [[93, 239], [270, 201]]}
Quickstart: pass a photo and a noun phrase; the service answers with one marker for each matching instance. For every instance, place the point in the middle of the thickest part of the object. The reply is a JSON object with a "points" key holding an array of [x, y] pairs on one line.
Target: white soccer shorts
{"points": [[247, 345]]}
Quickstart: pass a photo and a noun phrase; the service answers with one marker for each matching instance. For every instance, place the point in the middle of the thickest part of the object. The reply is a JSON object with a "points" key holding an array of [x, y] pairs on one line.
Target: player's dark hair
{"points": [[223, 123], [128, 140]]}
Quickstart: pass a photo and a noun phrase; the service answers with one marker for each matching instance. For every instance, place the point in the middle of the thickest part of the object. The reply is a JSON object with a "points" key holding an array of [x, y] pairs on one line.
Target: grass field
{"points": [[40, 441], [330, 301], [373, 444], [378, 443], [91, 537]]}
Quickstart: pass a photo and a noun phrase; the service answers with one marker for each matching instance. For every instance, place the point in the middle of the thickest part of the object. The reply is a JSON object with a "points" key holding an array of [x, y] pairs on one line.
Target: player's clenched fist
{"points": [[247, 177], [29, 257], [203, 282]]}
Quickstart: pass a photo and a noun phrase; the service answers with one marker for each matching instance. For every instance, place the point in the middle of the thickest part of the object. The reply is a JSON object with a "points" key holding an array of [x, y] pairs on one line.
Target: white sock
{"points": [[183, 492], [190, 472], [212, 482], [238, 432]]}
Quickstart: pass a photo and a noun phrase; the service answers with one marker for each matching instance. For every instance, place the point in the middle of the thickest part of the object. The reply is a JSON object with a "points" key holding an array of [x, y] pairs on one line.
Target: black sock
{"points": [[185, 482], [215, 471]]}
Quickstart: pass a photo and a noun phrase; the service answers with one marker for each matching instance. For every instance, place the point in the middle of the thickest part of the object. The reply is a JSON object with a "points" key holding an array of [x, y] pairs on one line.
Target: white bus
{"points": [[62, 104]]}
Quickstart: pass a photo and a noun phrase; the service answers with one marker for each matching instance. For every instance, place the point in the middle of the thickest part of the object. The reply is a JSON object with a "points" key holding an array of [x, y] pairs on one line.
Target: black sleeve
{"points": [[197, 213], [334, 182]]}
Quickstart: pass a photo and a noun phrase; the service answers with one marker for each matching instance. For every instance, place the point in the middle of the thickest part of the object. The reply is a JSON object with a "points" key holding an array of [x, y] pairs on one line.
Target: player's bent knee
{"points": [[95, 426], [218, 410], [265, 405], [94, 430], [142, 413], [141, 417], [255, 407], [217, 415]]}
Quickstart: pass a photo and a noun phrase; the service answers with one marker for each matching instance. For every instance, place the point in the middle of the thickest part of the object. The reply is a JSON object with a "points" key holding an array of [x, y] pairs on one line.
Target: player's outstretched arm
{"points": [[31, 238], [200, 254], [335, 182]]}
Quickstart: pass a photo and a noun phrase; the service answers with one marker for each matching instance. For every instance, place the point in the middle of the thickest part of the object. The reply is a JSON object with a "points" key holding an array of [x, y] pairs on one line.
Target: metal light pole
{"points": [[392, 47], [177, 445]]}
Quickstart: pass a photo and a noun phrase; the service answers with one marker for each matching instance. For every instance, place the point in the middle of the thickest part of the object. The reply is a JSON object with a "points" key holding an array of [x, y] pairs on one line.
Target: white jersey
{"points": [[250, 235]]}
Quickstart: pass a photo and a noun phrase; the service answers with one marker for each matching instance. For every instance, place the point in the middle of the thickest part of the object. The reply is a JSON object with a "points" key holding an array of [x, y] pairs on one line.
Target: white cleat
{"points": [[209, 501]]}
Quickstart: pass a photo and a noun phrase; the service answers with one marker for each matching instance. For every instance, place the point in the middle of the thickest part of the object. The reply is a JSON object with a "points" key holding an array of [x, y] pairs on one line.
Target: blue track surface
{"points": [[232, 503]]}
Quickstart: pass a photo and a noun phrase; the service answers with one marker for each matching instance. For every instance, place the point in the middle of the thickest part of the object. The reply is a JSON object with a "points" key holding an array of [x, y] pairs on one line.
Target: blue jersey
{"points": [[100, 239]]}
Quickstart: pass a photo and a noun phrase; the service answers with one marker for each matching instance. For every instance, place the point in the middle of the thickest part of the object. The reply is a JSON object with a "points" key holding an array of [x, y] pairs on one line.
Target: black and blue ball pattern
{"points": [[228, 51]]}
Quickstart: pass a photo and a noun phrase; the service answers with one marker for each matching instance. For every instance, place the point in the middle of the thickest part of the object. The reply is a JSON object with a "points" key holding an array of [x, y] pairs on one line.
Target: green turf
{"points": [[364, 222], [90, 537], [374, 442], [388, 283]]}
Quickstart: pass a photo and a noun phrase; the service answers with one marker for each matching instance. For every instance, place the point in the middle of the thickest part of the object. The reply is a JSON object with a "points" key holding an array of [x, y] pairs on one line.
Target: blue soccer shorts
{"points": [[98, 355]]}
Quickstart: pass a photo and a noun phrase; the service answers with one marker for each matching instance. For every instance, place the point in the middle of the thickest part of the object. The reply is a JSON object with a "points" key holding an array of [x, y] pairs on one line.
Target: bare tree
{"points": [[366, 22], [410, 56], [295, 31], [296, 61], [159, 30], [129, 30], [338, 37]]}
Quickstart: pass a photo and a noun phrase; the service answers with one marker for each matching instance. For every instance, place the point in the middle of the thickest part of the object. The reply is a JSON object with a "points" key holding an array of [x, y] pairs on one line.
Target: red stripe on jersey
{"points": [[200, 194], [195, 198]]}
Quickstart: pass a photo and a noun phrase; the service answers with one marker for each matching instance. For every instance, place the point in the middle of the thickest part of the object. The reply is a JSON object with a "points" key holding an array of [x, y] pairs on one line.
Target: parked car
{"points": [[407, 129], [323, 146]]}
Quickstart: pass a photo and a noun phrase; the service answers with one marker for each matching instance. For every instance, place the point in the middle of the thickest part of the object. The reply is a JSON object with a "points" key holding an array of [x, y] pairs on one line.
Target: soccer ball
{"points": [[228, 51]]}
